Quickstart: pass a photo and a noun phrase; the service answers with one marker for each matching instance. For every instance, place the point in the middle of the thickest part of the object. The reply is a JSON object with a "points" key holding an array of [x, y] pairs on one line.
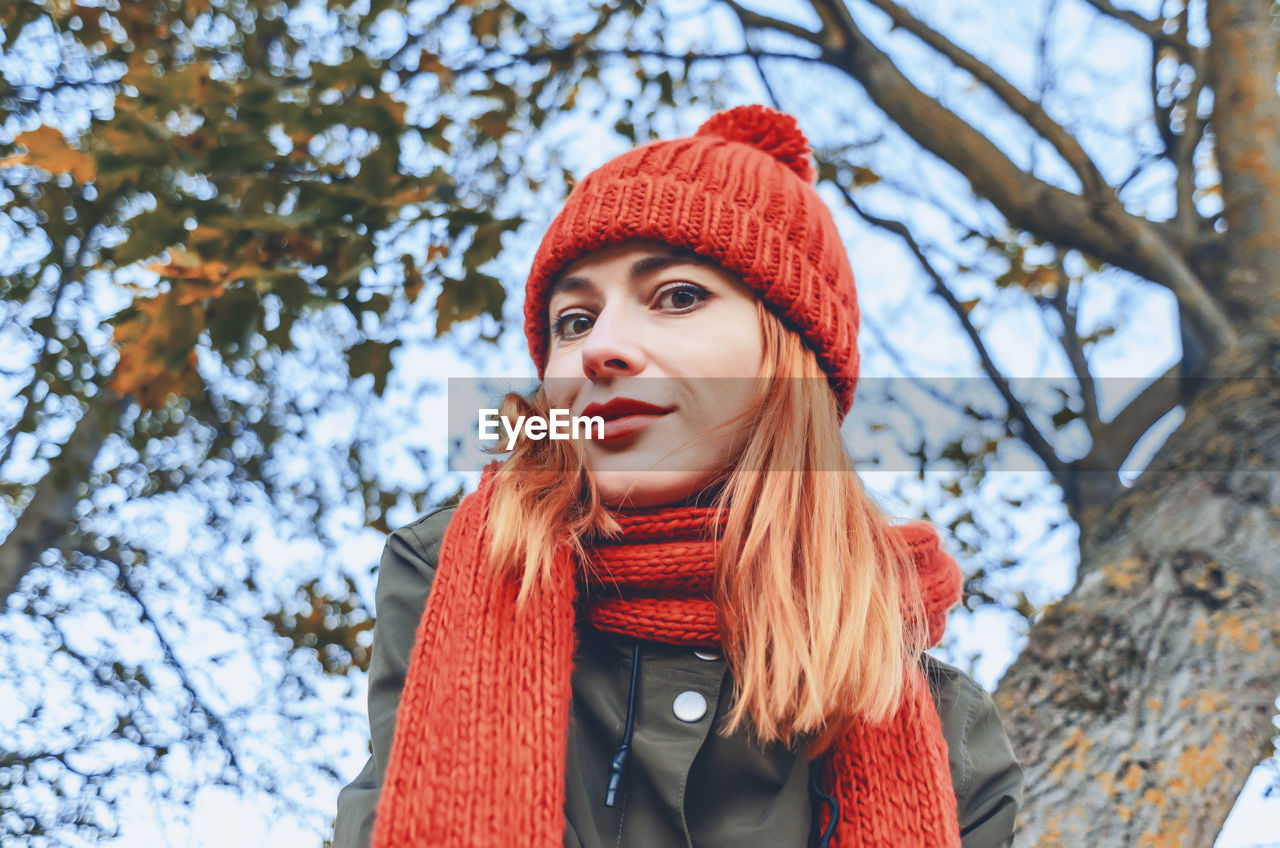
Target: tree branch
{"points": [[1070, 340], [1151, 29], [125, 582], [1016, 410], [1104, 230], [1183, 156], [1111, 442], [1094, 185], [49, 516], [1161, 114], [755, 20], [1115, 440], [569, 55]]}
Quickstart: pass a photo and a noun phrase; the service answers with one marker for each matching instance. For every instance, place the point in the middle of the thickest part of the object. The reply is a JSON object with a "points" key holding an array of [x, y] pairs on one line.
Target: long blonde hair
{"points": [[817, 597]]}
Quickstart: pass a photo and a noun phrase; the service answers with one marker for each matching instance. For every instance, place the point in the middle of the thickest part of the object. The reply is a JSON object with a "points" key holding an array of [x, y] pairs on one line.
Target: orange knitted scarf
{"points": [[478, 757]]}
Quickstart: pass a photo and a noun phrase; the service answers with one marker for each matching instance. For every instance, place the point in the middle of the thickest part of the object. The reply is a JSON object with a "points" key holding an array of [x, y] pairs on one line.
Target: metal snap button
{"points": [[707, 654], [690, 706]]}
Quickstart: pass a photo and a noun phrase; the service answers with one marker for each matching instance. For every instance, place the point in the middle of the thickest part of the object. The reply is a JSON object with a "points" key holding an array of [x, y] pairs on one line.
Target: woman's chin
{"points": [[627, 488]]}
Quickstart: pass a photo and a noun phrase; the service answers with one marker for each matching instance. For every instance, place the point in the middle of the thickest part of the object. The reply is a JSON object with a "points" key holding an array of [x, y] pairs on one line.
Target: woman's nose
{"points": [[611, 348]]}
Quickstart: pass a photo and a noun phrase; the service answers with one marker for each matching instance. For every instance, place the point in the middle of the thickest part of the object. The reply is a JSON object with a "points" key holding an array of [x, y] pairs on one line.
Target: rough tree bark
{"points": [[1141, 702]]}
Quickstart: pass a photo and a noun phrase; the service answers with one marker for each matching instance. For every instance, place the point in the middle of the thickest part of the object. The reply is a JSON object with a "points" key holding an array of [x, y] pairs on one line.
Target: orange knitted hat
{"points": [[739, 192]]}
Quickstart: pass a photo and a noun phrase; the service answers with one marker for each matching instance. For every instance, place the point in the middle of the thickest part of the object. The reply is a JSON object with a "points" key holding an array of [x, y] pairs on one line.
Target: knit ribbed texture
{"points": [[740, 192], [478, 758]]}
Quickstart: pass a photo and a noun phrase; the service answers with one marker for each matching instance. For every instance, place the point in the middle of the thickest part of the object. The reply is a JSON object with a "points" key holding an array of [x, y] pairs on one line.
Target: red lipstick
{"points": [[624, 416]]}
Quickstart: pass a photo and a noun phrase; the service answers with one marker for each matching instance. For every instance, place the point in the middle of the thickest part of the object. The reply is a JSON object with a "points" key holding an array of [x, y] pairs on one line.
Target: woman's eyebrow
{"points": [[567, 285], [639, 268]]}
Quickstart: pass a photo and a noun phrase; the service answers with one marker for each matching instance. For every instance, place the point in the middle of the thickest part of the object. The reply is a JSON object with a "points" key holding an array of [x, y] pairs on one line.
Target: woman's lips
{"points": [[626, 425], [624, 416]]}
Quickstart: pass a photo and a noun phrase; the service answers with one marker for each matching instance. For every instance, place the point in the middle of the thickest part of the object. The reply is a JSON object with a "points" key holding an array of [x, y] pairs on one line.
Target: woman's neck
{"points": [[701, 499]]}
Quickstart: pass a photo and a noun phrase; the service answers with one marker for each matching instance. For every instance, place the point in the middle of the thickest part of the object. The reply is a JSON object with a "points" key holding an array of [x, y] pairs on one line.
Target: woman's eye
{"points": [[681, 297], [571, 325]]}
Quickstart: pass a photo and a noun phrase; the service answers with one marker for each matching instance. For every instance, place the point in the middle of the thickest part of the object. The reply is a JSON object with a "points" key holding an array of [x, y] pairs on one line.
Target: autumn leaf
{"points": [[48, 150], [331, 626], [196, 279], [156, 337], [370, 357], [430, 63], [462, 300], [864, 176], [1041, 277], [412, 278], [413, 194]]}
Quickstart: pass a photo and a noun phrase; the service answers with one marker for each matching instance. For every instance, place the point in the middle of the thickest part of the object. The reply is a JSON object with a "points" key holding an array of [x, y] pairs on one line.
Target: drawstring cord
{"points": [[619, 761], [819, 797]]}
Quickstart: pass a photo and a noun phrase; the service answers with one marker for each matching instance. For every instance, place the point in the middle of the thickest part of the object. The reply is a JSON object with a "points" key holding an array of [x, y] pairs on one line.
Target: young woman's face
{"points": [[644, 309]]}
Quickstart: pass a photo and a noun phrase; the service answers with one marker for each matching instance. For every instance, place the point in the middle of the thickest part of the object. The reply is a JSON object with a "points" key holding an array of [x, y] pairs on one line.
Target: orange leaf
{"points": [[188, 265], [1042, 277], [48, 149], [157, 350], [194, 291], [413, 194], [413, 281]]}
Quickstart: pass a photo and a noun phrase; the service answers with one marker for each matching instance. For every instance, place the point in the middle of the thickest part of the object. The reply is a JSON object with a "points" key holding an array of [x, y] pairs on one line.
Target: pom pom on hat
{"points": [[774, 132]]}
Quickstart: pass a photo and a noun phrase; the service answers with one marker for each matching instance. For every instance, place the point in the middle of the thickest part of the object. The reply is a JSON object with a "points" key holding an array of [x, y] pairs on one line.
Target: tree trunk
{"points": [[1142, 701], [49, 517]]}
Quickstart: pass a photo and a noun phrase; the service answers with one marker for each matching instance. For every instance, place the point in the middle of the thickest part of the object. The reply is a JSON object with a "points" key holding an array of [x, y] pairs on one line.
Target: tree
{"points": [[269, 189], [205, 199]]}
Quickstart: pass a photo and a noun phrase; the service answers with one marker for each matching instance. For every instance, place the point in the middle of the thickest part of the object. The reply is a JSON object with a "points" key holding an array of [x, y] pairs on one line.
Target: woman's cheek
{"points": [[560, 390]]}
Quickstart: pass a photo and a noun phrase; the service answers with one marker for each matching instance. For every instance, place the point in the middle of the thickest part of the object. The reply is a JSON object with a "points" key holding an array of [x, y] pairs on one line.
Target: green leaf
{"points": [[233, 318], [371, 357], [462, 300], [1063, 417]]}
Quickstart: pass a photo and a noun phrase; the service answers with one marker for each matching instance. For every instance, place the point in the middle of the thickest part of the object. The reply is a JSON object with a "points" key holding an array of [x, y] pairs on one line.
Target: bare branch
{"points": [[1102, 229], [1115, 440], [1183, 156], [755, 20], [1033, 113], [126, 583], [1070, 340], [764, 78], [570, 54], [1162, 114], [1151, 29], [1016, 410]]}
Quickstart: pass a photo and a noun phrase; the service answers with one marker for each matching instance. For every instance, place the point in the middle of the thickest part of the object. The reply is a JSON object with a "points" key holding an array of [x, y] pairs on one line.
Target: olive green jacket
{"points": [[685, 784]]}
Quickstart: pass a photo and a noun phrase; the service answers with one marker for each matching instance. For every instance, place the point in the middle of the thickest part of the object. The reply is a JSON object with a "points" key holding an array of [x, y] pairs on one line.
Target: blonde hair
{"points": [[817, 597]]}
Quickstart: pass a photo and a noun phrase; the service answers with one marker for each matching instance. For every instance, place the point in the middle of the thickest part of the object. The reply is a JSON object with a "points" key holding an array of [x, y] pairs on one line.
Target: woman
{"points": [[695, 629]]}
